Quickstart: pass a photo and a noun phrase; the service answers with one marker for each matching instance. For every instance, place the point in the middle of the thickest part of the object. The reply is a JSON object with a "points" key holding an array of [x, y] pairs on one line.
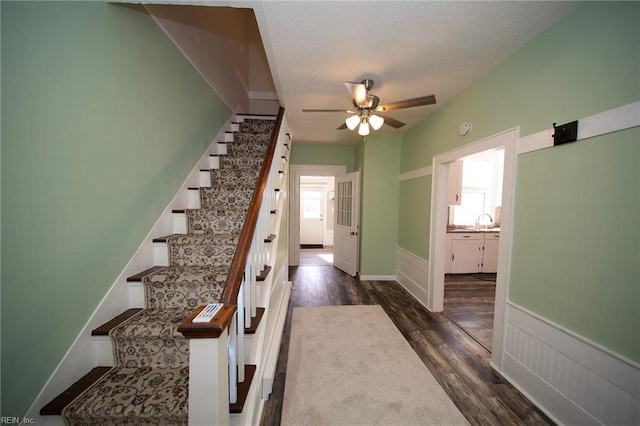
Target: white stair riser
{"points": [[193, 199], [214, 162], [160, 254], [136, 295], [103, 347], [179, 223], [205, 178]]}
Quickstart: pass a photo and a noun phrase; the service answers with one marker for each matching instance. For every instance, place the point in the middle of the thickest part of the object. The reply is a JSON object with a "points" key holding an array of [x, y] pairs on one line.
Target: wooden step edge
{"points": [[55, 407], [255, 322], [105, 328], [243, 389], [270, 238], [242, 114], [264, 273], [163, 239], [140, 275]]}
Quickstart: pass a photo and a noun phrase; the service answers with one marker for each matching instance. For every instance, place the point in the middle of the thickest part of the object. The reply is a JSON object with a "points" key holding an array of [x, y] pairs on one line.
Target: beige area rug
{"points": [[350, 365]]}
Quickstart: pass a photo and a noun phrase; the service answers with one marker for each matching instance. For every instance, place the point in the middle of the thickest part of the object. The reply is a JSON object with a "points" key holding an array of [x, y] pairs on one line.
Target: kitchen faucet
{"points": [[478, 219]]}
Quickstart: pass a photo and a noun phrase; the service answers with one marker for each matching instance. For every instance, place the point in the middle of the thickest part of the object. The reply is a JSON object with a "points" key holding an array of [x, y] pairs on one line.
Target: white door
{"points": [[311, 216], [347, 203]]}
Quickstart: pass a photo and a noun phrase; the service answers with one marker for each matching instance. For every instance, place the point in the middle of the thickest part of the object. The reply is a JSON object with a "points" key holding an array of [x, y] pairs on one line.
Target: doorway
{"points": [[303, 176], [317, 200], [438, 228], [473, 233]]}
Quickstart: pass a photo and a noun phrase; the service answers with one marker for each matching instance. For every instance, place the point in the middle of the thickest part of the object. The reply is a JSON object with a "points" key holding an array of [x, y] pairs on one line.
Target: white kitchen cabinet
{"points": [[454, 188], [490, 252], [466, 252], [472, 252]]}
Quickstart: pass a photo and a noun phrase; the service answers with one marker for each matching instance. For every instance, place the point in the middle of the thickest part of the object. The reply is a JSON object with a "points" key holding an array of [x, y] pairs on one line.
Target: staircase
{"points": [[150, 380]]}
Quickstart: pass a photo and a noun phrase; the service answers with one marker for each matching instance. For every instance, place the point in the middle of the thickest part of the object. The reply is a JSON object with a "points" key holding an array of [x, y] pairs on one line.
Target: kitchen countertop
{"points": [[456, 230]]}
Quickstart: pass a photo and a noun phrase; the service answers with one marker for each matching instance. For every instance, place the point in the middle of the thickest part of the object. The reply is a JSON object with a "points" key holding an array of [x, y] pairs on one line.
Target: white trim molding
{"points": [[624, 117], [575, 381], [412, 273], [424, 171], [377, 277]]}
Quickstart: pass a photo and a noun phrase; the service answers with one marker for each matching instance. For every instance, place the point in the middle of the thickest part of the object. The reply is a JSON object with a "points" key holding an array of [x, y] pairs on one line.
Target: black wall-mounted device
{"points": [[565, 133]]}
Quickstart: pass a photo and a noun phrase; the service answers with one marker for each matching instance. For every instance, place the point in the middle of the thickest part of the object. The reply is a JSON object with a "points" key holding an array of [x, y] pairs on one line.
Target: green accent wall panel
{"points": [[380, 197], [577, 238], [102, 120], [415, 208], [330, 155]]}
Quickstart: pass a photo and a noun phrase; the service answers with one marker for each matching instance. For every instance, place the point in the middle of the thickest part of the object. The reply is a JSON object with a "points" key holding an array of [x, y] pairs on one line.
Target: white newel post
{"points": [[209, 388]]}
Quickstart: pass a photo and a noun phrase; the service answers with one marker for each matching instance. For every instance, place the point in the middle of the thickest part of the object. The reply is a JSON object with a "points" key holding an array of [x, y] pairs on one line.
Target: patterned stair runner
{"points": [[149, 384]]}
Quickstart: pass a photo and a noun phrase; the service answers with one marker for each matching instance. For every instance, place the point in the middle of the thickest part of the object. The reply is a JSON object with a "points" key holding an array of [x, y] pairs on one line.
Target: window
{"points": [[481, 188], [311, 208]]}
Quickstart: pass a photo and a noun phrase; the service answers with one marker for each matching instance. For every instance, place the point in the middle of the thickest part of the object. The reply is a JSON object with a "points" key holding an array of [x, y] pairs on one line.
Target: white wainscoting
{"points": [[573, 380], [412, 272]]}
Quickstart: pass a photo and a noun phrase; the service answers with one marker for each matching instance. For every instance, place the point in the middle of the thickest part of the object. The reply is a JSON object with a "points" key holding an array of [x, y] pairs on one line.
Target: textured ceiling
{"points": [[409, 48]]}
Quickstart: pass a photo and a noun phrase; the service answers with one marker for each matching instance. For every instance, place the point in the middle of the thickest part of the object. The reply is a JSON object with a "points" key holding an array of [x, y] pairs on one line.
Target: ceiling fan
{"points": [[368, 109]]}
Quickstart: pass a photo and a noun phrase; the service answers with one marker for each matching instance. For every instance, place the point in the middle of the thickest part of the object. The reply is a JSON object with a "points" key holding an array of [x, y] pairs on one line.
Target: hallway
{"points": [[316, 256], [458, 362]]}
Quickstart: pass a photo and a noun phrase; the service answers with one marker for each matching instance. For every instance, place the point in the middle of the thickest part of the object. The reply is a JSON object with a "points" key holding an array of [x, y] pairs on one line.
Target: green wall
{"points": [[380, 156], [102, 119], [415, 210], [330, 155], [576, 232]]}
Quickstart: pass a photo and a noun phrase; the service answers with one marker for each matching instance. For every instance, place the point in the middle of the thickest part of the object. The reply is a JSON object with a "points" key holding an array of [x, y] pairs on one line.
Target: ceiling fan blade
{"points": [[342, 127], [358, 91], [392, 121], [409, 103], [326, 110]]}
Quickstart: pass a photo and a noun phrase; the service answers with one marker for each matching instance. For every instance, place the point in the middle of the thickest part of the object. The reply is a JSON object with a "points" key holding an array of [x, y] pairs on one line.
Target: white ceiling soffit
{"points": [[409, 48]]}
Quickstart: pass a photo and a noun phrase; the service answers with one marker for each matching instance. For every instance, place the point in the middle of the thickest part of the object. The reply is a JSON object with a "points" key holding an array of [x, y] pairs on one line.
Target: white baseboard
{"points": [[377, 278], [413, 274], [575, 381], [84, 353]]}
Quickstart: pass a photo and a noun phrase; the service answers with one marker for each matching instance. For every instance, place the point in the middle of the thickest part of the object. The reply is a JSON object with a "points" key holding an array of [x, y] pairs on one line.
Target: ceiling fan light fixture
{"points": [[376, 121], [363, 130], [352, 122]]}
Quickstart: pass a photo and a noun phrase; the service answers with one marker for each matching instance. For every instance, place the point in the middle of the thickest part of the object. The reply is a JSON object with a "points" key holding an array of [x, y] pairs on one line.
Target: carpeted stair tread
{"points": [[257, 126], [214, 221], [134, 396], [231, 162], [234, 177], [151, 339], [186, 286], [225, 200], [202, 249]]}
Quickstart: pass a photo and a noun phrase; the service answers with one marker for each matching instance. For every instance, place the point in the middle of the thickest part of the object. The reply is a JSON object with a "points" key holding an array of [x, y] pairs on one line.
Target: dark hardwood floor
{"points": [[469, 302], [458, 362]]}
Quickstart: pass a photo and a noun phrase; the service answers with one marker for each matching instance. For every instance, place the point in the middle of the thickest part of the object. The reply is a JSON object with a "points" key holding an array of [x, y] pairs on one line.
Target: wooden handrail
{"points": [[236, 272]]}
